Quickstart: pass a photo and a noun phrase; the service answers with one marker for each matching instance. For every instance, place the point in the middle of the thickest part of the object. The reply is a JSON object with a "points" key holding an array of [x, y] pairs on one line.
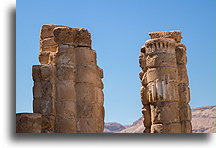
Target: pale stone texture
{"points": [[67, 87], [28, 123], [165, 93]]}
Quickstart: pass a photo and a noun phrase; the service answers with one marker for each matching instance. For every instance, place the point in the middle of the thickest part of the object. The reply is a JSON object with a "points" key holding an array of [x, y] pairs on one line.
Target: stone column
{"points": [[28, 123], [184, 90], [44, 76], [164, 110], [75, 81], [89, 94]]}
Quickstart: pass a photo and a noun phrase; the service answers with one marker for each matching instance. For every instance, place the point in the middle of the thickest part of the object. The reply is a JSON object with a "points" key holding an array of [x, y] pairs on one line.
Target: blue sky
{"points": [[119, 29]]}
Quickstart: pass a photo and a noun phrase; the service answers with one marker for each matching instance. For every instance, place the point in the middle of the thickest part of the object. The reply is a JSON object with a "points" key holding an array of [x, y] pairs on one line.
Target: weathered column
{"points": [[184, 90], [28, 123], [76, 103], [164, 84], [44, 76]]}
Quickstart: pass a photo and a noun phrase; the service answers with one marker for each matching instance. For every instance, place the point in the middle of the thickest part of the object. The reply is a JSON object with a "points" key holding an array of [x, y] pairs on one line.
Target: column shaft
{"points": [[67, 86], [164, 91]]}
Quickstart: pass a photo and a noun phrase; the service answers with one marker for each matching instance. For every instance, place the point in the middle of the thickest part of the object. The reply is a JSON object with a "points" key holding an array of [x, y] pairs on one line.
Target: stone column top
{"points": [[157, 45], [72, 36], [66, 35], [160, 43], [176, 35], [47, 30]]}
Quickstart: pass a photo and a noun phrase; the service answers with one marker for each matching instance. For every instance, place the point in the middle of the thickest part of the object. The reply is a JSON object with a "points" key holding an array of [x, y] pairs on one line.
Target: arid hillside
{"points": [[203, 121]]}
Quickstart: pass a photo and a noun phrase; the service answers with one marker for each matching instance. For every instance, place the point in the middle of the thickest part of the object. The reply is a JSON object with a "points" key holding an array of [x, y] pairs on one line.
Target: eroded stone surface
{"points": [[176, 35], [44, 106], [48, 44], [147, 115], [67, 86], [85, 56], [48, 124], [28, 123], [47, 30], [165, 112], [165, 93], [72, 36]]}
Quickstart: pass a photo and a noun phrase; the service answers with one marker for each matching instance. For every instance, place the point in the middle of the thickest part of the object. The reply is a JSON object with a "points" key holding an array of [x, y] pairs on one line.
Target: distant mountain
{"points": [[112, 127], [203, 121], [136, 127]]}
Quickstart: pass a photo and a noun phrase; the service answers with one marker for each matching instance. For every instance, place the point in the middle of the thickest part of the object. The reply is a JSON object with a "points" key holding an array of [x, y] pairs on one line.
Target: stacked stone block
{"points": [[164, 91], [67, 85], [28, 123]]}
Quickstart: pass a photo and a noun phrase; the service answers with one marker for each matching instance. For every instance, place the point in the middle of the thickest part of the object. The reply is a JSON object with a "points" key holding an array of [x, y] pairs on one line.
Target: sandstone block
{"points": [[166, 128], [89, 110], [66, 49], [66, 109], [100, 84], [144, 79], [47, 30], [157, 46], [141, 74], [72, 36], [163, 59], [88, 74], [185, 112], [184, 92], [85, 56], [100, 125], [64, 124], [65, 90], [44, 89], [28, 123], [87, 125], [85, 92], [100, 72], [181, 54], [44, 106], [162, 73], [44, 57], [60, 58], [186, 127], [65, 72], [48, 124], [142, 61], [48, 44], [182, 74], [36, 74], [143, 94], [162, 91], [51, 60], [142, 49], [157, 128], [176, 35], [99, 95], [103, 115], [42, 72], [165, 112], [172, 128], [146, 115]]}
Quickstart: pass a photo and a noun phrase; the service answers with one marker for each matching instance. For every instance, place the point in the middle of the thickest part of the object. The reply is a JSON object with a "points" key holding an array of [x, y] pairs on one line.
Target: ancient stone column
{"points": [[164, 91], [28, 123], [67, 85]]}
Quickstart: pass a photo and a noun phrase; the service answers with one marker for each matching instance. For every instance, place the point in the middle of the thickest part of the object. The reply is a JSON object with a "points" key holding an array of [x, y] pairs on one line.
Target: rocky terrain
{"points": [[203, 121]]}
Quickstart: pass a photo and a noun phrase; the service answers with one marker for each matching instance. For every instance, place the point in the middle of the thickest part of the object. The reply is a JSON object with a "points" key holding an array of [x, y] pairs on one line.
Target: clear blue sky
{"points": [[119, 28]]}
